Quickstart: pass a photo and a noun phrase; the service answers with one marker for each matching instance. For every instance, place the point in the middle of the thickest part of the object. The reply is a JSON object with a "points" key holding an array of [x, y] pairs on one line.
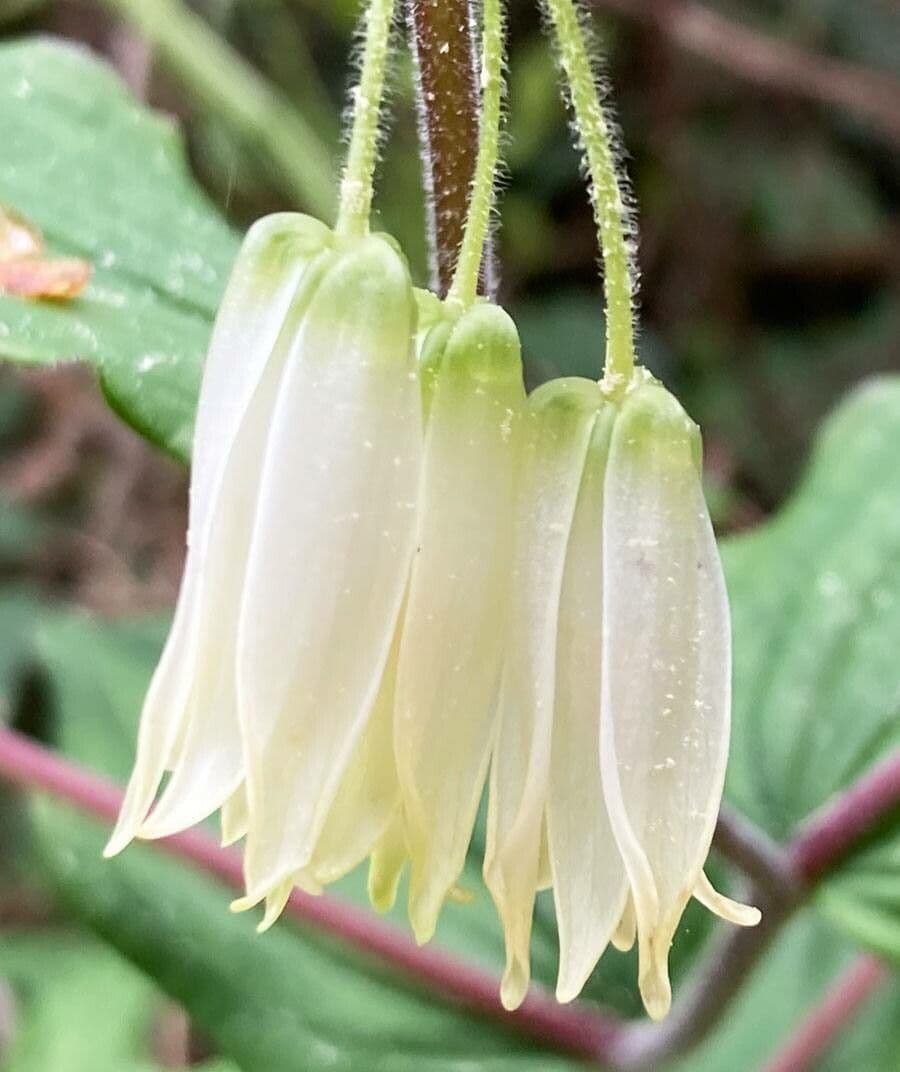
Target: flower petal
{"points": [[558, 423], [724, 907], [235, 817], [666, 670], [330, 555], [454, 632], [273, 263], [626, 929], [589, 882], [369, 794], [386, 865]]}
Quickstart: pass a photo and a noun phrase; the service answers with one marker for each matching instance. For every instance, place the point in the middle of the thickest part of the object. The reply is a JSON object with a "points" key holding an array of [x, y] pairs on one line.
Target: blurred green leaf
{"points": [[863, 896], [107, 180], [804, 963], [816, 604], [78, 1007], [290, 1001]]}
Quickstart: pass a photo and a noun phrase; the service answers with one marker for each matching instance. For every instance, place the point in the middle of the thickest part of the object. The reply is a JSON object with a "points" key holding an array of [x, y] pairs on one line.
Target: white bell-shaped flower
{"points": [[545, 774], [614, 710], [456, 617], [327, 570], [189, 724], [666, 703]]}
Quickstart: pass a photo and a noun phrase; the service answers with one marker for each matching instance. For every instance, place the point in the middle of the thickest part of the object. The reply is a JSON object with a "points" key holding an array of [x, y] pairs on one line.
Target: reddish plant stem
{"points": [[818, 1032], [763, 861], [781, 877], [570, 1028], [448, 102], [829, 834]]}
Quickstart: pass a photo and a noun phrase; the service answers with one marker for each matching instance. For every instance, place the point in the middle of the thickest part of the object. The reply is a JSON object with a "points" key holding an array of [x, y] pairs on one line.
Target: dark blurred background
{"points": [[762, 141]]}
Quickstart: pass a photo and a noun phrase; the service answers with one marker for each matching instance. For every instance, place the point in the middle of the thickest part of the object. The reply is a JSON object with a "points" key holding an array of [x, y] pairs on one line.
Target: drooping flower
{"points": [[303, 507], [339, 564], [328, 561], [615, 704], [189, 724], [666, 703], [456, 617]]}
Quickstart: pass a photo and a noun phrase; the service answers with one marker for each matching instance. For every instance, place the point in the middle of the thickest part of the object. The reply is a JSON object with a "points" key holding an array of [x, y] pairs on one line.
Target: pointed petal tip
{"points": [[124, 832], [275, 905], [653, 968], [567, 990], [426, 899], [424, 924], [656, 994], [514, 986], [386, 869], [724, 907], [115, 845], [243, 904]]}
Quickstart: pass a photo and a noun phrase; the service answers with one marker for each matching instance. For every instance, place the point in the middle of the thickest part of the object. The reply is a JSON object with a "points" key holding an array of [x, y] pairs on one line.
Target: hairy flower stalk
{"points": [[615, 704], [616, 698]]}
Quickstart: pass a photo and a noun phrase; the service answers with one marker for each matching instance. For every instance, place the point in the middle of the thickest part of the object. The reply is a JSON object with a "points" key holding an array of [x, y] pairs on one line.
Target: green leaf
{"points": [[289, 1001], [294, 1000], [79, 1007], [806, 960], [107, 180], [816, 605]]}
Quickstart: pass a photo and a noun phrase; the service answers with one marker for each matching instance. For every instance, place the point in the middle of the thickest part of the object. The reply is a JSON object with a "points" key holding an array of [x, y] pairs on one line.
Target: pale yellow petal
{"points": [[368, 796], [330, 554], [626, 929], [589, 881], [666, 671], [273, 264], [732, 911], [558, 424], [235, 817], [386, 865], [544, 872], [455, 627]]}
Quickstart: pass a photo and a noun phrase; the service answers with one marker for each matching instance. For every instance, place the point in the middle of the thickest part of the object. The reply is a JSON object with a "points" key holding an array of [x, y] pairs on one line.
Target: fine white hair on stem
{"points": [[586, 94], [442, 34], [481, 208], [364, 117], [424, 145], [620, 154]]}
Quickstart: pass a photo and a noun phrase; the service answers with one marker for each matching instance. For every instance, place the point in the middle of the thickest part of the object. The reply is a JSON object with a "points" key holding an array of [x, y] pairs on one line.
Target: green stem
{"points": [[359, 174], [229, 86], [464, 287], [606, 192]]}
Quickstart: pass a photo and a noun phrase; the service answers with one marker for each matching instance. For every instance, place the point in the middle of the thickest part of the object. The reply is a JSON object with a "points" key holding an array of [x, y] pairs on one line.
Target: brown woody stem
{"points": [[445, 53]]}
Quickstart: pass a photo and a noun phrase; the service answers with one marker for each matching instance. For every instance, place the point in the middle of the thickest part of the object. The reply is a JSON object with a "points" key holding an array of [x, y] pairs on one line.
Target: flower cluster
{"points": [[400, 567], [403, 573]]}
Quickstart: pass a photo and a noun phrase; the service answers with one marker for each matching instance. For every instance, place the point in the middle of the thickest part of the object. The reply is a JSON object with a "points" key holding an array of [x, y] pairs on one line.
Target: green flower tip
{"points": [[476, 348], [276, 242], [370, 276], [484, 346], [652, 422]]}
